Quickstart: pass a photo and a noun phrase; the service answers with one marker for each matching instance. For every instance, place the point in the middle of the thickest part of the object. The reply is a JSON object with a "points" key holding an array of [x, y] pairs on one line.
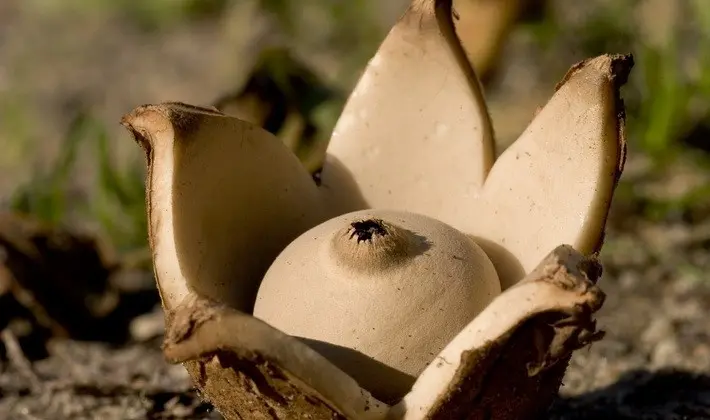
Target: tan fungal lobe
{"points": [[571, 155], [150, 126], [415, 131], [211, 225]]}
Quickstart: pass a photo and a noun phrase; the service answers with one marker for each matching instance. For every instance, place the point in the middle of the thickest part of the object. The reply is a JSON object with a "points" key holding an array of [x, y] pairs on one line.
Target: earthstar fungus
{"points": [[422, 278]]}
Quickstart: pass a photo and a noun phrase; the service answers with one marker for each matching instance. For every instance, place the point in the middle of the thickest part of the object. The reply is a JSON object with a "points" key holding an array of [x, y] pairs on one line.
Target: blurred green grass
{"points": [[117, 198], [153, 15], [667, 98]]}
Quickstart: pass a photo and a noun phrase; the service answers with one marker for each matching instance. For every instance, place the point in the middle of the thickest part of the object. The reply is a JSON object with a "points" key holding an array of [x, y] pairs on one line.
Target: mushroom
{"points": [[378, 282], [210, 222], [230, 217]]}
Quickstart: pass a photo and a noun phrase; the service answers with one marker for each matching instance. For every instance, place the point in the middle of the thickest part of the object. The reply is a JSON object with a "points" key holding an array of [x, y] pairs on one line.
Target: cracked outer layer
{"points": [[250, 370], [257, 389]]}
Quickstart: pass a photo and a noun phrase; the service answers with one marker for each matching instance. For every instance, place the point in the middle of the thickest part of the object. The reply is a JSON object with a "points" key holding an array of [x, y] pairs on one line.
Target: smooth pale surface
{"points": [[554, 185], [400, 316], [208, 209], [144, 123], [414, 133]]}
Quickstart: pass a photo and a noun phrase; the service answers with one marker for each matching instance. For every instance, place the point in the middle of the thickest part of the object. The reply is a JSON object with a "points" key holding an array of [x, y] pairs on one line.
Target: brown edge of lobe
{"points": [[511, 379], [139, 135], [184, 320], [143, 140], [620, 69], [236, 381], [245, 386], [185, 118], [620, 66], [618, 72]]}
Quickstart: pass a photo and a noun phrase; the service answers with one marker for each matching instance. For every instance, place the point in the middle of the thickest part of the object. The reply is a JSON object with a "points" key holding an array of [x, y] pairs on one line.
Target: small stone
{"points": [[666, 353], [148, 326]]}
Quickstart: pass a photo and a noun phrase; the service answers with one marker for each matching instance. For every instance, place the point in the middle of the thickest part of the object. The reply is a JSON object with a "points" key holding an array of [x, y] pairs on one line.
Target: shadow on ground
{"points": [[668, 394]]}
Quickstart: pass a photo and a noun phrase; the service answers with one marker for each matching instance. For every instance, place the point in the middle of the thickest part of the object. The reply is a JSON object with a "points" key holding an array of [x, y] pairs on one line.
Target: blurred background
{"points": [[73, 244]]}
